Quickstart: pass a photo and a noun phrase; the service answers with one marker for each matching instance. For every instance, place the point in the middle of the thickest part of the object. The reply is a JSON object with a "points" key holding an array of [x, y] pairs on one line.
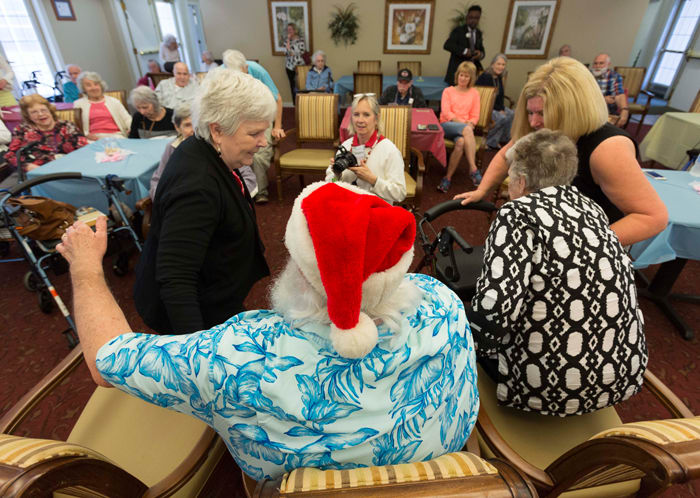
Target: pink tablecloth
{"points": [[12, 116], [432, 141]]}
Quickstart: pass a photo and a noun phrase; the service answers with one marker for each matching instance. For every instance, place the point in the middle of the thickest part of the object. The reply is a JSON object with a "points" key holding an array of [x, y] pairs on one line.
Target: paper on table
{"points": [[117, 155]]}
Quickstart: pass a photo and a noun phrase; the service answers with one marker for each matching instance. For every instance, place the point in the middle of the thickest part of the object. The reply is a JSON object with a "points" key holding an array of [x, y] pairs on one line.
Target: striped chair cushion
{"points": [[448, 466], [24, 452], [73, 115], [632, 79], [487, 96], [410, 185], [414, 66], [368, 83], [315, 117], [369, 67], [397, 126], [659, 431]]}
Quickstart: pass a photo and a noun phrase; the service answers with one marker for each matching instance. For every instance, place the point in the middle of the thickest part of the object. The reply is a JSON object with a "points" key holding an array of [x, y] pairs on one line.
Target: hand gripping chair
{"points": [[316, 122], [593, 455], [460, 474], [397, 128], [633, 79], [487, 96], [120, 446]]}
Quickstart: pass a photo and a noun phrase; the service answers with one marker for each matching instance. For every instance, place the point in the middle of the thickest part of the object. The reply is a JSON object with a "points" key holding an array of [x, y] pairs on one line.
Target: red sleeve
{"points": [[446, 112], [475, 107], [71, 138]]}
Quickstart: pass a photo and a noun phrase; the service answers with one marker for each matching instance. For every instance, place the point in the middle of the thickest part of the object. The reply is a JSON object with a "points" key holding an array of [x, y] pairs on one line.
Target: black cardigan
{"points": [[203, 253]]}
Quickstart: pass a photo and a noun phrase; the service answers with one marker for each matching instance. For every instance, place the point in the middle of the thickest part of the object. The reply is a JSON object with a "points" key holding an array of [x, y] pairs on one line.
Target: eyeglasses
{"points": [[38, 112], [360, 95]]}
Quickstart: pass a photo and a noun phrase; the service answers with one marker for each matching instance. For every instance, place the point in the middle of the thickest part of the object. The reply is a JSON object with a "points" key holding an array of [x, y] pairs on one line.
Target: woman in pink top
{"points": [[458, 117], [102, 115]]}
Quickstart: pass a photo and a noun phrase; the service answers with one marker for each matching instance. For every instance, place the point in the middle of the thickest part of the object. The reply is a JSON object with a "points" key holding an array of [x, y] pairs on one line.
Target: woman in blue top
{"points": [[319, 77]]}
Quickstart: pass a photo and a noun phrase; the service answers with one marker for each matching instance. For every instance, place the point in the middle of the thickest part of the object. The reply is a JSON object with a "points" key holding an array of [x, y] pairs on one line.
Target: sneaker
{"points": [[476, 177], [444, 185], [261, 199]]}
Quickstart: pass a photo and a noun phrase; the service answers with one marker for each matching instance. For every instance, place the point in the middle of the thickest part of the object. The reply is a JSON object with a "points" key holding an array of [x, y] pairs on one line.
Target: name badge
{"points": [[359, 152], [410, 101]]}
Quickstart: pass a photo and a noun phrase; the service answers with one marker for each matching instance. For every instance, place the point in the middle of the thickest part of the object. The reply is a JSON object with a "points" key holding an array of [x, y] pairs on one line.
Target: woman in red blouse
{"points": [[45, 135], [458, 116]]}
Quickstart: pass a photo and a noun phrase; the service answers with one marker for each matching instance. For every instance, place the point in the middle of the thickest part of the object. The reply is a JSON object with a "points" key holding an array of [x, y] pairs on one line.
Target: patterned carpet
{"points": [[33, 344]]}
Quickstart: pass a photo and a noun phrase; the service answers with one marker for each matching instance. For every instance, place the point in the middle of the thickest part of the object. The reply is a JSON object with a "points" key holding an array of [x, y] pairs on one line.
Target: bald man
{"points": [[610, 84], [178, 90]]}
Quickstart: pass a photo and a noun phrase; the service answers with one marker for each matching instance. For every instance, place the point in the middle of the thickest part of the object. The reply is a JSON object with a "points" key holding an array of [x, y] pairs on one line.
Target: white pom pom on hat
{"points": [[339, 236]]}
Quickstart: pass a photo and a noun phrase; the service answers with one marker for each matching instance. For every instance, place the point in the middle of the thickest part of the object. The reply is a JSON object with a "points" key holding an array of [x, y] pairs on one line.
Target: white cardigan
{"points": [[386, 162], [120, 115]]}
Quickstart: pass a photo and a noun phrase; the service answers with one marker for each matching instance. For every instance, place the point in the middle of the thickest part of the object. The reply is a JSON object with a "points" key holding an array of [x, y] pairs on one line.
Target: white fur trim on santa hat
{"points": [[357, 341]]}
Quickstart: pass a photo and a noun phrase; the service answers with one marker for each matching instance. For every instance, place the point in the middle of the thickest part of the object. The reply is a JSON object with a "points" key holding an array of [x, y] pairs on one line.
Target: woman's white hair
{"points": [[316, 54], [143, 94], [92, 76], [168, 39], [228, 98], [373, 104], [301, 304], [234, 59]]}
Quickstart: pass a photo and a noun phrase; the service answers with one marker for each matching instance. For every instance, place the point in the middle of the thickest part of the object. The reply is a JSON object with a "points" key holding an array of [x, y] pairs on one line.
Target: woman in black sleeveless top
{"points": [[563, 95]]}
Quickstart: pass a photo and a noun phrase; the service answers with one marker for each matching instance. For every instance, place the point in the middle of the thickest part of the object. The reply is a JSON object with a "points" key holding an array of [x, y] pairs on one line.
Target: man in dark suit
{"points": [[466, 43]]}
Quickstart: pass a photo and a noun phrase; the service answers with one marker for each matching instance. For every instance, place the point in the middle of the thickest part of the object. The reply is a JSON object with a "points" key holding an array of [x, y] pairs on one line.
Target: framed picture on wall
{"points": [[408, 26], [529, 27], [63, 10], [284, 13]]}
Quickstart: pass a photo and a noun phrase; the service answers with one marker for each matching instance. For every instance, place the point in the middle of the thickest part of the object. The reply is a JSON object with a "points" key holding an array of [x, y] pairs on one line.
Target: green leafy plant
{"points": [[344, 25], [460, 19]]}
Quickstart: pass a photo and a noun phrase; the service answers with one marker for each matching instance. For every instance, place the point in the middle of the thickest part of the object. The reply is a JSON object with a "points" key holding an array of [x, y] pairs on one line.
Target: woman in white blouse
{"points": [[380, 165]]}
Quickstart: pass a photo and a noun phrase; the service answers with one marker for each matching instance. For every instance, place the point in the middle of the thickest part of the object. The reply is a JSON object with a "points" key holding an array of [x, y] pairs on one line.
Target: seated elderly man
{"points": [[611, 85], [233, 59], [179, 89], [70, 88], [403, 93], [357, 364], [555, 315]]}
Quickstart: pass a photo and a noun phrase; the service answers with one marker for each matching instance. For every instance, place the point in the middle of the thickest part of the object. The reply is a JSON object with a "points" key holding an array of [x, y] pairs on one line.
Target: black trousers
{"points": [[292, 75], [485, 335]]}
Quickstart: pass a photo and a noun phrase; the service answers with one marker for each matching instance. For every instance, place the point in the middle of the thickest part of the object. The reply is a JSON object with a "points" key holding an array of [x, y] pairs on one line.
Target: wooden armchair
{"points": [[633, 78], [487, 96], [397, 128], [460, 474], [158, 77], [369, 66], [301, 72], [120, 95], [121, 446], [593, 454], [695, 107], [414, 66], [74, 115], [316, 122], [368, 83]]}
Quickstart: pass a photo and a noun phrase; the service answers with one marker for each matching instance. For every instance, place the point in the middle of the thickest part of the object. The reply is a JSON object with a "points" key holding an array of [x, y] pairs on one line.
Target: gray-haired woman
{"points": [[150, 119], [203, 252], [501, 115], [555, 314], [102, 115], [319, 77]]}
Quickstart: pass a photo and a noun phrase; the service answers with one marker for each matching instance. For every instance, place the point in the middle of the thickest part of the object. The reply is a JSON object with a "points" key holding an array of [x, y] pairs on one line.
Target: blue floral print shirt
{"points": [[282, 398]]}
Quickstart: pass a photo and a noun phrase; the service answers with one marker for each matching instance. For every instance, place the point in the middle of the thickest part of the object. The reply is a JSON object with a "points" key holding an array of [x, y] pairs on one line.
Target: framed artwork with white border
{"points": [[63, 10], [529, 27], [282, 13], [408, 26]]}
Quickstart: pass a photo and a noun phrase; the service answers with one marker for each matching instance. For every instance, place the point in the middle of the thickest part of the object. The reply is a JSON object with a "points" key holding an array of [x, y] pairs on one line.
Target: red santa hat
{"points": [[353, 247]]}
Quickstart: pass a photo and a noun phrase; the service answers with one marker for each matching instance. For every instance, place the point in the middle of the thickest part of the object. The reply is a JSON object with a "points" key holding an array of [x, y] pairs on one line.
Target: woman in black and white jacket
{"points": [[555, 314]]}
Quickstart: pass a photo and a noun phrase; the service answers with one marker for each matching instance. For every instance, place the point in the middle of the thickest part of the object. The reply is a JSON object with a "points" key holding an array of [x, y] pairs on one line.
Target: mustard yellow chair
{"points": [[414, 66], [120, 446], [487, 96], [301, 72], [368, 83], [397, 128], [316, 122], [369, 66], [120, 95], [592, 455], [633, 77], [696, 104], [74, 116], [460, 474]]}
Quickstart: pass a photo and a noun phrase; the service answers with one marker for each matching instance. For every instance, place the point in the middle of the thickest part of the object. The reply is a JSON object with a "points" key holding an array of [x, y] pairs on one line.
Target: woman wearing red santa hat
{"points": [[380, 166], [357, 364]]}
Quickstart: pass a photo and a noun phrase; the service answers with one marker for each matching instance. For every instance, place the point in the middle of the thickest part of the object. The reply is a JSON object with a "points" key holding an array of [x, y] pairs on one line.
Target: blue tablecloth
{"points": [[136, 170], [681, 238], [432, 86]]}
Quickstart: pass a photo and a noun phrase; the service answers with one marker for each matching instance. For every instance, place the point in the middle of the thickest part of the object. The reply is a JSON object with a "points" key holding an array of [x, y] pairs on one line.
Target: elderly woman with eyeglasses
{"points": [[380, 167], [103, 116], [151, 119], [319, 78], [42, 136]]}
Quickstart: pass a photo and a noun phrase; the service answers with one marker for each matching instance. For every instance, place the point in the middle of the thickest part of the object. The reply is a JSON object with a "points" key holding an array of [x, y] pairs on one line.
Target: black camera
{"points": [[344, 159]]}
